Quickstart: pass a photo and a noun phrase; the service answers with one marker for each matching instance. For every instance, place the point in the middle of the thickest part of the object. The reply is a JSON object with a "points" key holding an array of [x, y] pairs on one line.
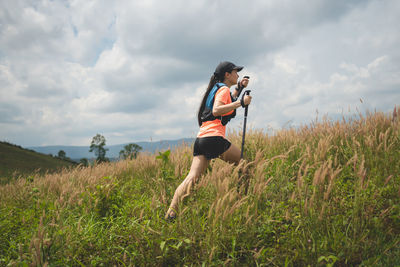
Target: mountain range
{"points": [[78, 152]]}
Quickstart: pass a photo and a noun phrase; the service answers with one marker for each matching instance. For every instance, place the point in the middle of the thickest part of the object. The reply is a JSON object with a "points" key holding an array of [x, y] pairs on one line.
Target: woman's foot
{"points": [[171, 215]]}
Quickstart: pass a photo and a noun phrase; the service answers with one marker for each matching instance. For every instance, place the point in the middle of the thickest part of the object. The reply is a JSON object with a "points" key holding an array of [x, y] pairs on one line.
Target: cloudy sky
{"points": [[136, 70]]}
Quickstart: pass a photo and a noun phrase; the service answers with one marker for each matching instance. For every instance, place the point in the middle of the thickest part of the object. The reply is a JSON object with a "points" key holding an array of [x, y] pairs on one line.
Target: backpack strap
{"points": [[207, 112], [211, 95]]}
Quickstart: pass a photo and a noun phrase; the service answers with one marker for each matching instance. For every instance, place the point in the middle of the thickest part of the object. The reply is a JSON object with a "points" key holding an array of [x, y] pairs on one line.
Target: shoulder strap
{"points": [[211, 95]]}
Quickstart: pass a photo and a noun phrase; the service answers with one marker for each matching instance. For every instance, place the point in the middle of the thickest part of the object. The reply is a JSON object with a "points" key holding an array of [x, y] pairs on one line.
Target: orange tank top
{"points": [[215, 127]]}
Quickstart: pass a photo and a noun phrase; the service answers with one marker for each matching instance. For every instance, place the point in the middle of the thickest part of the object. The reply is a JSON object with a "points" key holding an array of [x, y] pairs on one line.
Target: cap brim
{"points": [[238, 68]]}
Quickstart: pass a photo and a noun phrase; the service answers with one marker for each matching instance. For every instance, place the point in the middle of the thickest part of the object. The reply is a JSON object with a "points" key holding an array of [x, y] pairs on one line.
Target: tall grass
{"points": [[324, 194]]}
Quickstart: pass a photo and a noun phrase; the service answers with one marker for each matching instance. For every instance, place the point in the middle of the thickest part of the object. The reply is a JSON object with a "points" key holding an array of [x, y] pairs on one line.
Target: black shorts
{"points": [[211, 147]]}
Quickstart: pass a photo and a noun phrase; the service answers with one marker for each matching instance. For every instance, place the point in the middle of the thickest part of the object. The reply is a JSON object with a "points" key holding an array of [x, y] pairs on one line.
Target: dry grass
{"points": [[321, 193]]}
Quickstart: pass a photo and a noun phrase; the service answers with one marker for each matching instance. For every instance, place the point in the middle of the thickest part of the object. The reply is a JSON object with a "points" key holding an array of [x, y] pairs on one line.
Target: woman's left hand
{"points": [[244, 82]]}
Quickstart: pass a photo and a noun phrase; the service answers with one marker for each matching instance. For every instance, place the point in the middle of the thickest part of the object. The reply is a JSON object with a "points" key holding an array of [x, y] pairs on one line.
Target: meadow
{"points": [[324, 194]]}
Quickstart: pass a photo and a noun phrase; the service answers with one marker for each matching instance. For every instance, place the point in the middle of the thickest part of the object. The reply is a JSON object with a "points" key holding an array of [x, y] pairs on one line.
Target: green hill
{"points": [[325, 194], [15, 160]]}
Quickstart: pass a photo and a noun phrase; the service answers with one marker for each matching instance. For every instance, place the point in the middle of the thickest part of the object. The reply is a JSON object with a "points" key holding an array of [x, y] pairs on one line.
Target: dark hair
{"points": [[213, 80]]}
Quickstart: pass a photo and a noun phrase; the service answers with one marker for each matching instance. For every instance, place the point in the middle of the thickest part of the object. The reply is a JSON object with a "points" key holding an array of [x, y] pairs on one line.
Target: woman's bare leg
{"points": [[199, 165], [232, 155]]}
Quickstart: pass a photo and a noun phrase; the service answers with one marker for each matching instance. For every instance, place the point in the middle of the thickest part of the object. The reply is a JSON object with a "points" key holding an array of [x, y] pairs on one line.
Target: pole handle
{"points": [[239, 86], [247, 92]]}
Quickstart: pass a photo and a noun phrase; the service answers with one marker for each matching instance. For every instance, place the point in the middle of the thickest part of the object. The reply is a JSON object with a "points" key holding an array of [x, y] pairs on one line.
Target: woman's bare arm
{"points": [[220, 109]]}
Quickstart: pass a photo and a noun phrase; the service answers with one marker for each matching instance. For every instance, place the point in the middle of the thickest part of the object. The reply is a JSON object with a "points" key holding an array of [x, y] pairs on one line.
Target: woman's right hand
{"points": [[247, 100]]}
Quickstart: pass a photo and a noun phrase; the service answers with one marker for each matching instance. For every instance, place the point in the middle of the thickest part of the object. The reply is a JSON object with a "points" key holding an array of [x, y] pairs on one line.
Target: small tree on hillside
{"points": [[84, 162], [130, 151], [97, 146], [62, 155]]}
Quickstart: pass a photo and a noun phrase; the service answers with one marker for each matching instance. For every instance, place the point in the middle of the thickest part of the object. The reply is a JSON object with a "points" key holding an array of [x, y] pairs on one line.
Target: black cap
{"points": [[226, 66]]}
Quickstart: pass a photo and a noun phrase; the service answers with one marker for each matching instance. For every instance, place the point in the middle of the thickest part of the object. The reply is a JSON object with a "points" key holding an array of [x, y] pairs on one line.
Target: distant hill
{"points": [[78, 152], [14, 158]]}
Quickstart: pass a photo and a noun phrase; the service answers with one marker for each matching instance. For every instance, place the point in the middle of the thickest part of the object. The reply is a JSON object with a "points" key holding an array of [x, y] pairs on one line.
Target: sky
{"points": [[137, 70]]}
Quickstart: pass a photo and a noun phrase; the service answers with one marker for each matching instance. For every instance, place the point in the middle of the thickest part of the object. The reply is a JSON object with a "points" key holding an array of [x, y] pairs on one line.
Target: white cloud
{"points": [[135, 70]]}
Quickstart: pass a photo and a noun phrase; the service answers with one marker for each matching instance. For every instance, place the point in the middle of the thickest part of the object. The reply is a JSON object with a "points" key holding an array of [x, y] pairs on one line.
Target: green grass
{"points": [[15, 161], [326, 194]]}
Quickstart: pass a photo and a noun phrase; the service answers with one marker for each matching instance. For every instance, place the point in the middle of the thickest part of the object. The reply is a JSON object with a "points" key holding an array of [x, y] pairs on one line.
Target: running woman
{"points": [[217, 108]]}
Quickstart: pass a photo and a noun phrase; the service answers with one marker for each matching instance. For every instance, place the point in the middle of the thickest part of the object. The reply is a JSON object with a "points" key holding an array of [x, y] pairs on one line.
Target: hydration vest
{"points": [[207, 114]]}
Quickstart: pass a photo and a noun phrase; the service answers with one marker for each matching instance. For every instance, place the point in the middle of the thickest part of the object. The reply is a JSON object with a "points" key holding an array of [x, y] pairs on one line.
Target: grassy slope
{"points": [[16, 159], [322, 194]]}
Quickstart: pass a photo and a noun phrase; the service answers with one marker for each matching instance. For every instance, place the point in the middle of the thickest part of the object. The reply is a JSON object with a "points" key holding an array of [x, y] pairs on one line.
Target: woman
{"points": [[216, 109]]}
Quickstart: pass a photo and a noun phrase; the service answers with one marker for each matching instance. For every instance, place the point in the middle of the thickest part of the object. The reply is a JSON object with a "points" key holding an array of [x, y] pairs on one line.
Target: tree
{"points": [[61, 154], [130, 151], [84, 162], [97, 146]]}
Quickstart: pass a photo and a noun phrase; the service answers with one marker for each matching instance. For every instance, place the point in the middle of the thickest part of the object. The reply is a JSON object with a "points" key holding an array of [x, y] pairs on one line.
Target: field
{"points": [[325, 194]]}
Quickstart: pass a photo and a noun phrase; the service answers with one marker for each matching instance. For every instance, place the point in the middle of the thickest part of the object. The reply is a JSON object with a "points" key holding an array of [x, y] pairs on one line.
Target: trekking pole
{"points": [[247, 92]]}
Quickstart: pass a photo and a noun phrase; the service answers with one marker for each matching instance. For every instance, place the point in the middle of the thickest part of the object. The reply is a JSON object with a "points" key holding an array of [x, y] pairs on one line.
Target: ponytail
{"points": [[213, 80]]}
